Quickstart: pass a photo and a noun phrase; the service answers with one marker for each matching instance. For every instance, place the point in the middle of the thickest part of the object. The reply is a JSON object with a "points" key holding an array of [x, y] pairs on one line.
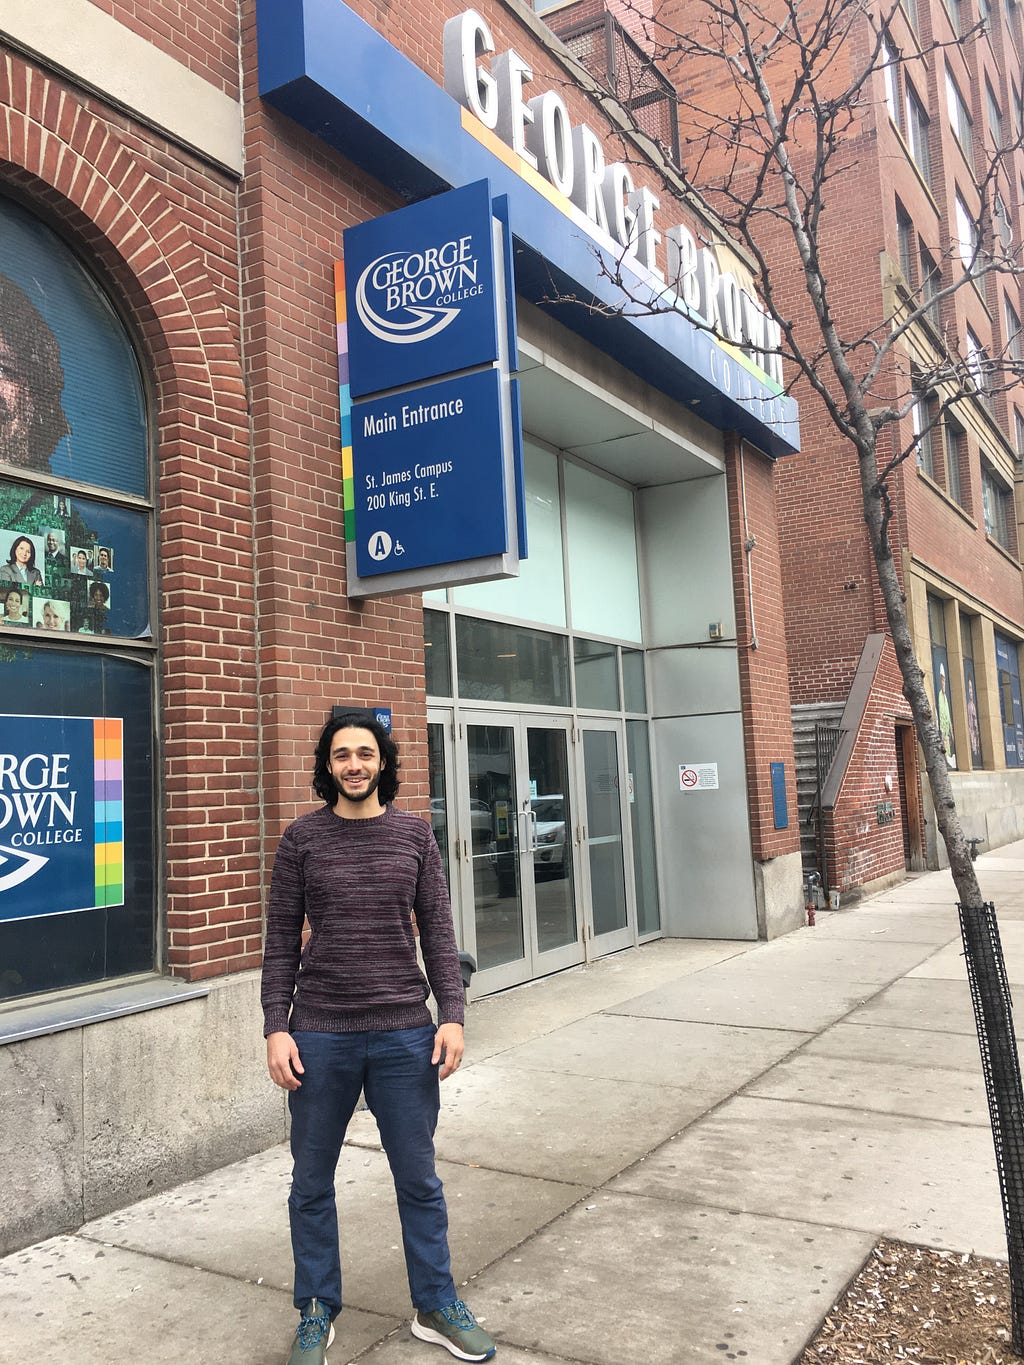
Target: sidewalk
{"points": [[681, 1154]]}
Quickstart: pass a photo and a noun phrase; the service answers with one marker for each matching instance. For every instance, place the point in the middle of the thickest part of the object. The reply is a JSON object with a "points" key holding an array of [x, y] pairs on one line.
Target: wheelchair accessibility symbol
{"points": [[381, 545]]}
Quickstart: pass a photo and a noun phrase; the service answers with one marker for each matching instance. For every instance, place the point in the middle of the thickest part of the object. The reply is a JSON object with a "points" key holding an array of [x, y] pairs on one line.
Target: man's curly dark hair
{"points": [[29, 336], [323, 782]]}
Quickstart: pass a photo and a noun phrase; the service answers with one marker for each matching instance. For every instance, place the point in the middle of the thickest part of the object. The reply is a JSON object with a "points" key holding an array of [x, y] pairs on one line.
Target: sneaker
{"points": [[314, 1334], [455, 1328]]}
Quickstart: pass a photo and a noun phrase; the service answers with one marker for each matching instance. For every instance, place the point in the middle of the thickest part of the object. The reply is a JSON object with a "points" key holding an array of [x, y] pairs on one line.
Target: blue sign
{"points": [[61, 812], [428, 475], [420, 291]]}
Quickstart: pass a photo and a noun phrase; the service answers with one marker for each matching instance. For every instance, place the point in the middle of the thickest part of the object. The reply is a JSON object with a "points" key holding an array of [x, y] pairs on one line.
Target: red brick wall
{"points": [[161, 229], [202, 34], [317, 648], [764, 682], [858, 848]]}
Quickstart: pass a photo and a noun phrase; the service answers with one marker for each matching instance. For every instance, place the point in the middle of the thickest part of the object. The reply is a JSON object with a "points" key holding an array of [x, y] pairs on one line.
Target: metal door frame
{"points": [[626, 937]]}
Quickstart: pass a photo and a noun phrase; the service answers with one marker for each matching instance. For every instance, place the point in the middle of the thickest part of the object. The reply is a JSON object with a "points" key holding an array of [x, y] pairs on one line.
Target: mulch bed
{"points": [[912, 1303]]}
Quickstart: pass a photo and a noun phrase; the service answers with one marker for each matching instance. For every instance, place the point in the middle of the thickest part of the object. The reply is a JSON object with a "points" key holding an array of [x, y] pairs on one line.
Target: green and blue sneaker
{"points": [[313, 1335], [455, 1328]]}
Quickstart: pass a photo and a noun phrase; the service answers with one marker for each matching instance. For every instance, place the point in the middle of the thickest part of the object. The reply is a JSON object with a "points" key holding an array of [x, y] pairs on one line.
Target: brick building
{"points": [[926, 133], [174, 542]]}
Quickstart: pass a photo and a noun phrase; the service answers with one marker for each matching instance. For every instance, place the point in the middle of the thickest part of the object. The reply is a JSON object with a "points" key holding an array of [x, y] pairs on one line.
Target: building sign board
{"points": [[428, 475], [333, 73], [431, 439], [421, 291], [61, 815]]}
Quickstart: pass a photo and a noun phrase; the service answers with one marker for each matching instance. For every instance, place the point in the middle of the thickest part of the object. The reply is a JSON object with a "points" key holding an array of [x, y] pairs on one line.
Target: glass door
{"points": [[516, 851], [443, 821], [610, 920]]}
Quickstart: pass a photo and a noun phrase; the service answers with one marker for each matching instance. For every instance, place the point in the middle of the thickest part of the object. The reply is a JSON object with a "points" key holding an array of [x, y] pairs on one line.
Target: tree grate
{"points": [[993, 1016]]}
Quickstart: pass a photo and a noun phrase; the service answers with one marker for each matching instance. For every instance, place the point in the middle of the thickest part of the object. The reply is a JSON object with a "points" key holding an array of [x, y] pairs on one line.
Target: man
{"points": [[32, 421], [55, 551], [349, 1013]]}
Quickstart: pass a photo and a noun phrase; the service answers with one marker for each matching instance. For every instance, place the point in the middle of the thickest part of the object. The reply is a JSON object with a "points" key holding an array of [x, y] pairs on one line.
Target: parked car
{"points": [[549, 853]]}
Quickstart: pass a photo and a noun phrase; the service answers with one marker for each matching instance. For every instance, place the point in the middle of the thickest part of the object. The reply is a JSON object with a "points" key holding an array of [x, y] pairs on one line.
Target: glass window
{"points": [[941, 680], [1018, 428], [997, 501], [77, 787], [967, 239], [641, 817], [1013, 339], [917, 133], [931, 283], [69, 364], [921, 423], [890, 79], [955, 451], [76, 818], [971, 690], [437, 656], [511, 664], [960, 118], [538, 594], [1011, 713], [604, 583], [905, 237], [953, 10], [977, 365], [634, 681], [597, 675], [995, 117]]}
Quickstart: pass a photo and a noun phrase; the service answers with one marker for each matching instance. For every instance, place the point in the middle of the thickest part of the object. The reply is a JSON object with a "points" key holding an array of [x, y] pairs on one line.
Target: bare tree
{"points": [[774, 98]]}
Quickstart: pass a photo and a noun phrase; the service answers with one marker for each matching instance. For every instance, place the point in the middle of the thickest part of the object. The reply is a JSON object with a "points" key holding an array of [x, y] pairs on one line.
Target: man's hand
{"points": [[283, 1061], [450, 1041]]}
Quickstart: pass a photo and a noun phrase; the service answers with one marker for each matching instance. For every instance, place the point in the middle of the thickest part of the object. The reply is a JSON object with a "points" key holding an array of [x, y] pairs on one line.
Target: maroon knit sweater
{"points": [[357, 881]]}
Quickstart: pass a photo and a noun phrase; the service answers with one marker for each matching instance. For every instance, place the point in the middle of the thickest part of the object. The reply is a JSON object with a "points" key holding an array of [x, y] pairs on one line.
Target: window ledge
{"points": [[947, 498], [59, 1013], [1007, 554]]}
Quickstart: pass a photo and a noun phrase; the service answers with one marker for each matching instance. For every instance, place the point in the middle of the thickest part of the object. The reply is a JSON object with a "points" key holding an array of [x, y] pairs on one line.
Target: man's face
{"points": [[17, 409], [355, 763], [104, 560], [52, 544]]}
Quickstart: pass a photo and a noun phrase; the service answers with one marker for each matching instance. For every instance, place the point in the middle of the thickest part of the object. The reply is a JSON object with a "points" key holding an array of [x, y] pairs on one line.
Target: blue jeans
{"points": [[394, 1072]]}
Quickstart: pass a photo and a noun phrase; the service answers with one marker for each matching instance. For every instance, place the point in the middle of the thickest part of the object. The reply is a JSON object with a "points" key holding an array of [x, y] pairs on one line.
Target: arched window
{"points": [[77, 647]]}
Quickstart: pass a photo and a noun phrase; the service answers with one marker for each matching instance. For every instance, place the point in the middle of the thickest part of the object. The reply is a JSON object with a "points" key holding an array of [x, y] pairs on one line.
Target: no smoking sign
{"points": [[696, 777]]}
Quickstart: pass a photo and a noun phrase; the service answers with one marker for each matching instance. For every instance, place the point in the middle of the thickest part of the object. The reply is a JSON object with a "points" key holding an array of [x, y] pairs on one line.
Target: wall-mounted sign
{"points": [[432, 470], [421, 292], [61, 815], [698, 777], [324, 66]]}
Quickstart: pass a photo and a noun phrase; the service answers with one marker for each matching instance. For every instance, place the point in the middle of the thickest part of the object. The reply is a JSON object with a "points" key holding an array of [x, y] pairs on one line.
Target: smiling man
{"points": [[349, 1014]]}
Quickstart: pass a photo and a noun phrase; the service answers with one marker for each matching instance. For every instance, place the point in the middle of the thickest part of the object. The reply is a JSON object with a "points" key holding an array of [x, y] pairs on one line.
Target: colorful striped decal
{"points": [[345, 400], [108, 791]]}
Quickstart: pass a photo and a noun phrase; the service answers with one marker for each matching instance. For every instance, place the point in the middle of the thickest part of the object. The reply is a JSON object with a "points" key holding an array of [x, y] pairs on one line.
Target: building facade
{"points": [[935, 172], [602, 743]]}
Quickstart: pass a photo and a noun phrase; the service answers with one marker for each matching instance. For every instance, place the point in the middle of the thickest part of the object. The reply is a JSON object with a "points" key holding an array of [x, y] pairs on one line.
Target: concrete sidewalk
{"points": [[680, 1154]]}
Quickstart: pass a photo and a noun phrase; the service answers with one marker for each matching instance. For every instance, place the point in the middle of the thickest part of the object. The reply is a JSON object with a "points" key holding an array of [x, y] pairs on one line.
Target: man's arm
{"points": [[281, 953], [441, 957]]}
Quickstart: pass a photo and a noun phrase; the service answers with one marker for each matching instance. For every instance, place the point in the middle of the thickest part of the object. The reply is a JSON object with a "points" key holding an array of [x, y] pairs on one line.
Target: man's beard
{"points": [[356, 797]]}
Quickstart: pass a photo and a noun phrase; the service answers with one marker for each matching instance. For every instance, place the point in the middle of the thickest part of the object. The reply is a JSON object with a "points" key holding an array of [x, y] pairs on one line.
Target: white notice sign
{"points": [[698, 777]]}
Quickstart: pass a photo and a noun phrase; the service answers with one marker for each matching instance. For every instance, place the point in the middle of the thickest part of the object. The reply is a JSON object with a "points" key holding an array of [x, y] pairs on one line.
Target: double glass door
{"points": [[532, 831], [518, 868]]}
